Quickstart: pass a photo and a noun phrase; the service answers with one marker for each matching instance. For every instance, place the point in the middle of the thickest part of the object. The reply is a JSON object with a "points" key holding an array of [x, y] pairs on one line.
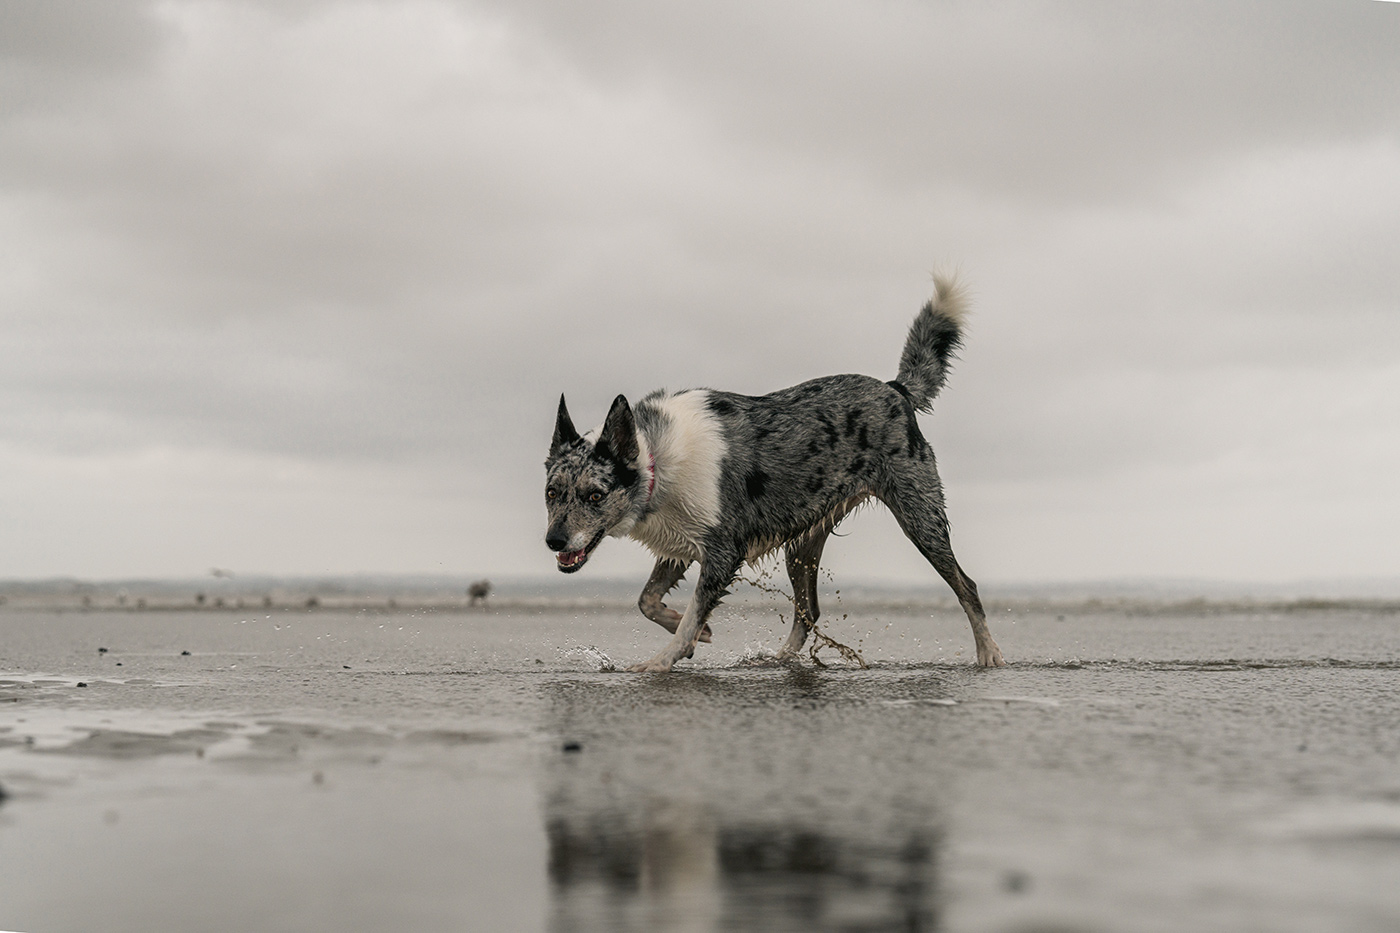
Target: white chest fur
{"points": [[689, 448]]}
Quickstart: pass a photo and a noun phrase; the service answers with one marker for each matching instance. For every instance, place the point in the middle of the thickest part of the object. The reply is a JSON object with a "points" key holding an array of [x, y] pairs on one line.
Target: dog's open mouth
{"points": [[569, 561]]}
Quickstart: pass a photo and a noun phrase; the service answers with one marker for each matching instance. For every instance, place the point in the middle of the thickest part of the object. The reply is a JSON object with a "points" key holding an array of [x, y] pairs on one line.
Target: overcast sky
{"points": [[293, 287]]}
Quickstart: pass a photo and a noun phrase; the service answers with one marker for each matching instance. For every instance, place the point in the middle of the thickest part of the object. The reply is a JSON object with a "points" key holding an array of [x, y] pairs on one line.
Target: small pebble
{"points": [[346, 666], [101, 650], [81, 684], [1016, 881], [184, 654], [573, 746]]}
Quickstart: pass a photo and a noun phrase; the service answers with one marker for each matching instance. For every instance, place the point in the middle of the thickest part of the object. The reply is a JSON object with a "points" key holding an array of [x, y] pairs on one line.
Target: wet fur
{"points": [[721, 478]]}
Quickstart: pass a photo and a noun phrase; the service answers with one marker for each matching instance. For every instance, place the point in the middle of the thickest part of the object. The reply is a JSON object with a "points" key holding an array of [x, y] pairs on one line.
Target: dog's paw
{"points": [[656, 665], [990, 656]]}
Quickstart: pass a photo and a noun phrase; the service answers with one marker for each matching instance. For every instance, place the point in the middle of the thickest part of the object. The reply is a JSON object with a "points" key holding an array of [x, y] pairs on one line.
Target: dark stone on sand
{"points": [[119, 664], [1016, 882], [184, 654], [81, 684], [101, 650], [573, 746], [346, 666]]}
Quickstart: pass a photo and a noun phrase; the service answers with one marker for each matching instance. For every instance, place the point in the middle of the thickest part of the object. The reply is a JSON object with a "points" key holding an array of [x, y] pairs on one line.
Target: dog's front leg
{"points": [[716, 573], [664, 576]]}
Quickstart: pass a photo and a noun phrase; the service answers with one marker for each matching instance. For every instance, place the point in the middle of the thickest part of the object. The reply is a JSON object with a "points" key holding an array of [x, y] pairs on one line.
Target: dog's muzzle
{"points": [[569, 561]]}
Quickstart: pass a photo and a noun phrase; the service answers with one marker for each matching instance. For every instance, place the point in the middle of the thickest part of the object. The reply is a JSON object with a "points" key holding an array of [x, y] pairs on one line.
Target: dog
{"points": [[722, 478]]}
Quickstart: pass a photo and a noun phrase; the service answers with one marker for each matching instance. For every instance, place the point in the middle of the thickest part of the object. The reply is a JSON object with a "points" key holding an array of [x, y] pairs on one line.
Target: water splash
{"points": [[820, 639], [590, 655], [756, 655]]}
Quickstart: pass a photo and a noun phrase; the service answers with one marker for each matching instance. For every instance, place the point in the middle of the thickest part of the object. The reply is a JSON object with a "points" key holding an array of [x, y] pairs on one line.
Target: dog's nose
{"points": [[556, 540]]}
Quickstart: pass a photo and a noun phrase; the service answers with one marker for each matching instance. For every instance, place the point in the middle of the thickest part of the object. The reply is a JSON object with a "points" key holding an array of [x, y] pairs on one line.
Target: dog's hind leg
{"points": [[664, 577], [917, 505], [803, 561], [988, 654], [717, 571]]}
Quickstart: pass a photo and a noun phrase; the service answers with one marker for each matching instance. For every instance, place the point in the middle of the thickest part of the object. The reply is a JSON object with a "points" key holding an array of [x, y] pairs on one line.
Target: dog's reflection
{"points": [[675, 869], [776, 801], [662, 874]]}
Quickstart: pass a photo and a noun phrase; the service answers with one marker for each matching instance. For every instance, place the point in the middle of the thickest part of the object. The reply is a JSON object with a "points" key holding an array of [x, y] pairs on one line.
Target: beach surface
{"points": [[1138, 767]]}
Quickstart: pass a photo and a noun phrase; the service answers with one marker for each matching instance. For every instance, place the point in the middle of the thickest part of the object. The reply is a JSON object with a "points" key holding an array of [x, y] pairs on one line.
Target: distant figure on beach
{"points": [[477, 592]]}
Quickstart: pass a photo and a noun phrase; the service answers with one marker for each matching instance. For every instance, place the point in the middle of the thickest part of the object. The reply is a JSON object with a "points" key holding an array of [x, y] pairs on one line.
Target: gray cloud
{"points": [[48, 45], [1028, 100], [358, 249]]}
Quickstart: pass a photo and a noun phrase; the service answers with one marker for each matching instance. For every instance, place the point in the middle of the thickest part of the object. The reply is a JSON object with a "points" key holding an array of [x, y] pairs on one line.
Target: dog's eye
{"points": [[595, 497], [550, 493]]}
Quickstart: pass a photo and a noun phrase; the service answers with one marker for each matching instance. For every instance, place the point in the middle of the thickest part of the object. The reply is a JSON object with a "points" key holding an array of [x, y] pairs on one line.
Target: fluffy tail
{"points": [[933, 338]]}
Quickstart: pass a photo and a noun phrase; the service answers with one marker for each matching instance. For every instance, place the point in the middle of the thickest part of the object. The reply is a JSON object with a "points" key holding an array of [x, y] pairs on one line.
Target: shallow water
{"points": [[1160, 769]]}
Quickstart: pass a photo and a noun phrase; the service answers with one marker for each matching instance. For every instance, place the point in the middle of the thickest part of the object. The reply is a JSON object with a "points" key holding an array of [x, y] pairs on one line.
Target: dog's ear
{"points": [[619, 437], [564, 433]]}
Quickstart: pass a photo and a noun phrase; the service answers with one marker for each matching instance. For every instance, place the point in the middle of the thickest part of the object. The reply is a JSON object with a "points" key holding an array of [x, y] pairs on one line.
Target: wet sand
{"points": [[1159, 768]]}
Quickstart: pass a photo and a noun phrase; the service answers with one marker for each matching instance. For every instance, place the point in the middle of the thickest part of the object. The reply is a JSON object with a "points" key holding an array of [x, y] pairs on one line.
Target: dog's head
{"points": [[595, 485]]}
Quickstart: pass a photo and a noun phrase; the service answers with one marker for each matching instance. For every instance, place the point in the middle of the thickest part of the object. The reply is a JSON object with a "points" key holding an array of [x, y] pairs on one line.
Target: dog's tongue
{"points": [[568, 558]]}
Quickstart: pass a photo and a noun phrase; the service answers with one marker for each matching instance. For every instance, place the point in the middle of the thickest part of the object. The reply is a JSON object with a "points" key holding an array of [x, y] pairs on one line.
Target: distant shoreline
{"points": [[866, 602]]}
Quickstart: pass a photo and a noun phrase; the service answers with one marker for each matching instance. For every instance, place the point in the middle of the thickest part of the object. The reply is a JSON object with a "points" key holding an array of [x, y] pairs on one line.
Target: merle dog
{"points": [[724, 478]]}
